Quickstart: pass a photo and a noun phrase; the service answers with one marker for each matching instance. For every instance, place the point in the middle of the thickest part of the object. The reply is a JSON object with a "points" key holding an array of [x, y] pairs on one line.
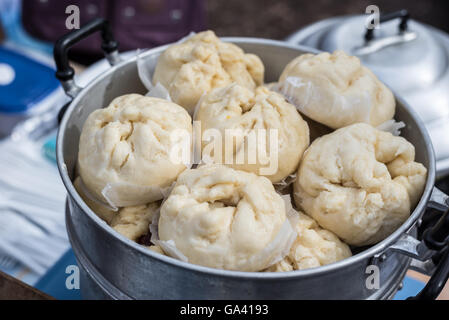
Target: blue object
{"points": [[411, 288], [53, 282], [23, 82], [49, 149], [11, 18]]}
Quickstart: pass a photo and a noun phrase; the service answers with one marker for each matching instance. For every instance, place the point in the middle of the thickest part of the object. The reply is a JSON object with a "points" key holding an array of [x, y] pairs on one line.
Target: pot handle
{"points": [[403, 25], [64, 72], [437, 238], [373, 45], [437, 281], [430, 255]]}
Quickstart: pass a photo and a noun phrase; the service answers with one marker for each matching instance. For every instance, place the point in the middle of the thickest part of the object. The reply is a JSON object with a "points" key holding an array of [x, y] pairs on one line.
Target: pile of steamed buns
{"points": [[352, 186]]}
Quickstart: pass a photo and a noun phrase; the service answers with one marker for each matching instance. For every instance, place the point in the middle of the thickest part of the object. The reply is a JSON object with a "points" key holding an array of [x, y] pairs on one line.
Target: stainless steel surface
{"points": [[417, 70], [71, 88], [412, 247], [113, 58], [119, 268], [439, 200], [376, 45]]}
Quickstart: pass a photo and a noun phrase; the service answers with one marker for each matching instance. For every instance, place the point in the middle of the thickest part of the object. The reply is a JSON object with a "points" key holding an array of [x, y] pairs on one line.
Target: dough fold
{"points": [[360, 183], [227, 219], [260, 132], [336, 90], [131, 222], [126, 151], [193, 67], [313, 247]]}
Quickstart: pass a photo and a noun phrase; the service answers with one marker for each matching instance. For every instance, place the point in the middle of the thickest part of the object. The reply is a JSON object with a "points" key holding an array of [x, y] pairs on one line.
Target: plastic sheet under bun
{"points": [[132, 222], [123, 194], [392, 126], [145, 70], [145, 74], [278, 248], [159, 91], [169, 248], [101, 209], [285, 183]]}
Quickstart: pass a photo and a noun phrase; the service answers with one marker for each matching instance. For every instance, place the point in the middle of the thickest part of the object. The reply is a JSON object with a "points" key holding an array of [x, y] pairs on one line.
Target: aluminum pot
{"points": [[114, 267]]}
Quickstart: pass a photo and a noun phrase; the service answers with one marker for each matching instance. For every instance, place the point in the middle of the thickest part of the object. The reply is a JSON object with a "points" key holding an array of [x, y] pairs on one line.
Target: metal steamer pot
{"points": [[114, 267]]}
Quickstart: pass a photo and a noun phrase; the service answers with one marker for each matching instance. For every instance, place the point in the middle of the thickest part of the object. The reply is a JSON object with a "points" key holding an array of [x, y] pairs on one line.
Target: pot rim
{"points": [[357, 258]]}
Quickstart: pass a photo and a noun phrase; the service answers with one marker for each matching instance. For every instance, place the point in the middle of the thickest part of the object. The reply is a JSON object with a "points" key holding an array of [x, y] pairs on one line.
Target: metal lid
{"points": [[406, 56]]}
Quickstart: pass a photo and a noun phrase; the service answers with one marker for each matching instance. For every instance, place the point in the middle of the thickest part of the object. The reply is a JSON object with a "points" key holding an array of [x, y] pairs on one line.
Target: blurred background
{"points": [[147, 23], [277, 19], [32, 197]]}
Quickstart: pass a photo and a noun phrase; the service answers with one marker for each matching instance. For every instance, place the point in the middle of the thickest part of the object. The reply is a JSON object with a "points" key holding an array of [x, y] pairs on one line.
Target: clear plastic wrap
{"points": [[154, 228], [145, 70], [392, 126], [288, 228], [279, 247], [115, 198], [155, 221], [159, 91], [169, 247], [94, 199], [283, 185]]}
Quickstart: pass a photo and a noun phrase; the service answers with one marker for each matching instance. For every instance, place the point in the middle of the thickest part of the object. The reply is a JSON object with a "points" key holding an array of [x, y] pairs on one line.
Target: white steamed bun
{"points": [[336, 90], [125, 149], [203, 62], [246, 112], [227, 219], [359, 182], [131, 222]]}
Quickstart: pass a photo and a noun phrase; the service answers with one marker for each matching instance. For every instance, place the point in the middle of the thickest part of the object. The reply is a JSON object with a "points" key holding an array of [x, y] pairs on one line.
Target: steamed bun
{"points": [[227, 219], [131, 222], [313, 247], [336, 90], [203, 62], [125, 149], [360, 183], [134, 222], [246, 112]]}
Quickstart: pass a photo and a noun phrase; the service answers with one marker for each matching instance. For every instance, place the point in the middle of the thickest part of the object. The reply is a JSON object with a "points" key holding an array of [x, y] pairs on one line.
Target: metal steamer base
{"points": [[114, 267], [94, 286]]}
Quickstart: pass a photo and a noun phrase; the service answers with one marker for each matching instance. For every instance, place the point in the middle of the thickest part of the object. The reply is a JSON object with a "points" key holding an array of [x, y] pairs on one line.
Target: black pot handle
{"points": [[403, 25], [437, 238], [437, 282], [64, 72]]}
